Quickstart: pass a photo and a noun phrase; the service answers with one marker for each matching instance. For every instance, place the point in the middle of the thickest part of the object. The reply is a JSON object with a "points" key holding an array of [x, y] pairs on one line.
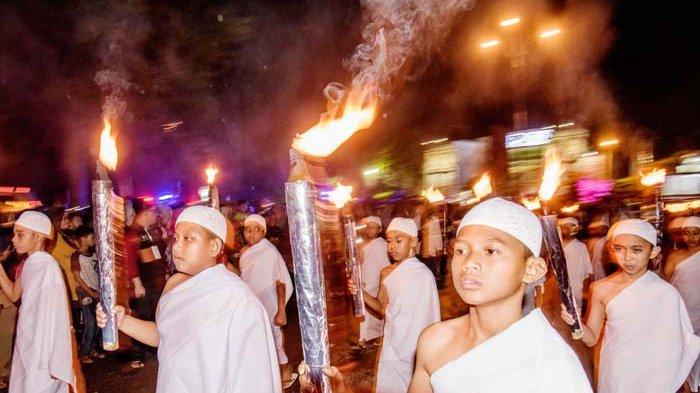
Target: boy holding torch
{"points": [[375, 258]]}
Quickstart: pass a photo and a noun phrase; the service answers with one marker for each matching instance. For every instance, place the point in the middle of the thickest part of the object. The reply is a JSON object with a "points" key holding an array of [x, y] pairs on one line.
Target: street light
{"points": [[489, 44], [609, 142], [510, 22]]}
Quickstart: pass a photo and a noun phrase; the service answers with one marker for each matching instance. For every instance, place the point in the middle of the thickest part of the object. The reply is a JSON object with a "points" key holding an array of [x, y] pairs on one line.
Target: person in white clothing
{"points": [[264, 270], [596, 243], [578, 262], [212, 333]]}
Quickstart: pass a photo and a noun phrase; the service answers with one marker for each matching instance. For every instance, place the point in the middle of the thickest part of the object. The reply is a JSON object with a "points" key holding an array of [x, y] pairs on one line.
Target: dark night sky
{"points": [[245, 84]]}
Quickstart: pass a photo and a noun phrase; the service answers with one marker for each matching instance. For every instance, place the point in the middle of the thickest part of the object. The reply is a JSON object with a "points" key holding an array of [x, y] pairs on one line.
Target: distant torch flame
{"points": [[656, 176], [482, 188], [324, 138], [570, 209], [340, 195], [433, 195], [532, 204], [682, 207], [551, 174], [108, 147], [211, 173]]}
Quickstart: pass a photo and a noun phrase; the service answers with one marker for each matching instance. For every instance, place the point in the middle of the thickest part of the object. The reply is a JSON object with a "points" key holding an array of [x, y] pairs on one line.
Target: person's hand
{"points": [[139, 291], [280, 318], [568, 318], [352, 288], [101, 317], [333, 374]]}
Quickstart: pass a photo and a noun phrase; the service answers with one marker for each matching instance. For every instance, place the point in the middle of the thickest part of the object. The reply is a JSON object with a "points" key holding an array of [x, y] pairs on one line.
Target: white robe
{"points": [[648, 345], [215, 337], [433, 237], [686, 278], [578, 265], [43, 355], [374, 259], [529, 357], [413, 305], [597, 255]]}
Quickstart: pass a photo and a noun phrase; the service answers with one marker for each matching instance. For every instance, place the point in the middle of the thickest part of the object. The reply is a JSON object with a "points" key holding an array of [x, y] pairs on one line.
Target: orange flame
{"points": [[211, 173], [483, 187], [433, 195], [333, 129], [340, 195], [570, 209], [682, 207], [108, 147], [551, 174], [532, 204], [656, 176]]}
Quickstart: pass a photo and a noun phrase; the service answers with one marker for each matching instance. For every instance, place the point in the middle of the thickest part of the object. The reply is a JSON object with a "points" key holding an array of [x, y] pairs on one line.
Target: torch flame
{"points": [[108, 147], [483, 187], [551, 174], [570, 209], [656, 176], [211, 173], [340, 195], [532, 204], [333, 129], [433, 195]]}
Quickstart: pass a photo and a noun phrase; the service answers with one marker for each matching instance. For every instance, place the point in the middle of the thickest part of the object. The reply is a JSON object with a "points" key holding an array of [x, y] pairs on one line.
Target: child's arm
{"points": [[143, 331], [420, 382], [596, 317], [13, 290], [281, 316]]}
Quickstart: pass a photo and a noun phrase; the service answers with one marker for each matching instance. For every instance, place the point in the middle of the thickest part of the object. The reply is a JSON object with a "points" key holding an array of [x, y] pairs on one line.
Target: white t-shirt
{"points": [[89, 270]]}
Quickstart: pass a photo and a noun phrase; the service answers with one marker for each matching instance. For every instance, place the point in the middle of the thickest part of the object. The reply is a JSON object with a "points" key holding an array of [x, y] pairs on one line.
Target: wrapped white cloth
{"points": [[578, 265], [433, 237], [374, 259], [43, 357], [597, 258], [686, 278], [261, 267], [529, 356], [215, 337], [413, 305], [649, 345]]}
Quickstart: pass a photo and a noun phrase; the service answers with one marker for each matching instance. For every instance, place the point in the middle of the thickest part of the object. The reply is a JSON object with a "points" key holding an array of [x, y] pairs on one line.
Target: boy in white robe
{"points": [[212, 333], [597, 231], [408, 299], [43, 355], [375, 257], [648, 345], [264, 270], [578, 262], [495, 349]]}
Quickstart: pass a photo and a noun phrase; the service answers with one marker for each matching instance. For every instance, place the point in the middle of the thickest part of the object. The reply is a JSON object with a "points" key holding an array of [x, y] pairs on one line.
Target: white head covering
{"points": [[405, 225], [36, 221], [636, 227], [257, 219], [568, 220], [692, 221], [511, 218], [206, 217], [373, 219]]}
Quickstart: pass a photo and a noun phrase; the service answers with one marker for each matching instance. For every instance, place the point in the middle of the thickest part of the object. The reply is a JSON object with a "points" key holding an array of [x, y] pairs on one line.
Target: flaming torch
{"points": [[340, 196], [482, 188], [356, 113], [211, 173], [655, 178], [104, 210], [552, 238]]}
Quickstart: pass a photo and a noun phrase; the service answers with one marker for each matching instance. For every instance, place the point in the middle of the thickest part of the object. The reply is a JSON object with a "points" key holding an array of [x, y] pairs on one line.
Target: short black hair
{"points": [[82, 231], [73, 214]]}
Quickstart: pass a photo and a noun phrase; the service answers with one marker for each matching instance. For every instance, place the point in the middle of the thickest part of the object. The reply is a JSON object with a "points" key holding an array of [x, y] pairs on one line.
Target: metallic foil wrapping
{"points": [[353, 265], [309, 284], [102, 202], [557, 260]]}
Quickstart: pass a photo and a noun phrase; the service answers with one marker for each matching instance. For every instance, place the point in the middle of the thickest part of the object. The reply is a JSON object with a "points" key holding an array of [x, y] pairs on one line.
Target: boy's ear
{"points": [[654, 252], [216, 246], [535, 268]]}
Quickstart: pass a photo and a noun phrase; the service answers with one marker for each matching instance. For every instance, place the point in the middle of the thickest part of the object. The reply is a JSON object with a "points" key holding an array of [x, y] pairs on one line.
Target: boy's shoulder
{"points": [[443, 333]]}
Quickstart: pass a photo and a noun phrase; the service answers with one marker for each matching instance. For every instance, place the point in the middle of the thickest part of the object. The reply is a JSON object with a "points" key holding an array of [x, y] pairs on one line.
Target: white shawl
{"points": [[686, 278], [578, 265], [261, 266], [374, 259]]}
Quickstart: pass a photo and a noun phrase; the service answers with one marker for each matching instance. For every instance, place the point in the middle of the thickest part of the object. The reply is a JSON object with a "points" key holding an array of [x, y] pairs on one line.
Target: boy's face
{"points": [[400, 245], [65, 222], [632, 253], [490, 265], [87, 241], [691, 236], [75, 222], [569, 229], [26, 240], [253, 233], [194, 249], [372, 230]]}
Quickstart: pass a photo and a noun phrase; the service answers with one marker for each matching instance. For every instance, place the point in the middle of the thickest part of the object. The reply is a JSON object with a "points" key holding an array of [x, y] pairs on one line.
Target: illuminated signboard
{"points": [[526, 138]]}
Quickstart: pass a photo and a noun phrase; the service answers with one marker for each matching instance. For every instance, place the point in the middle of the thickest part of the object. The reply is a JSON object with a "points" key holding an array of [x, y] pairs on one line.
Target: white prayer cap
{"points": [[257, 219], [567, 220], [373, 219], [634, 226], [405, 225], [692, 221], [206, 217], [511, 218], [36, 221]]}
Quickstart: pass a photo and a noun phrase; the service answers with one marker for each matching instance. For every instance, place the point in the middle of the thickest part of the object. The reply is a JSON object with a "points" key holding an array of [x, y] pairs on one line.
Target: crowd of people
{"points": [[209, 289]]}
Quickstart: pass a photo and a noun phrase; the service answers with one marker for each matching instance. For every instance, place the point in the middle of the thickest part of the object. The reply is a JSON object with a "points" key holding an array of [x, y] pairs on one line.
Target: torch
{"points": [[339, 197], [655, 179], [552, 238], [103, 212], [211, 173]]}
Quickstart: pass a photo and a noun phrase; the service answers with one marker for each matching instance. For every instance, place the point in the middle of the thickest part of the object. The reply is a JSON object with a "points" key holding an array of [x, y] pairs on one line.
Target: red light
{"points": [[146, 198]]}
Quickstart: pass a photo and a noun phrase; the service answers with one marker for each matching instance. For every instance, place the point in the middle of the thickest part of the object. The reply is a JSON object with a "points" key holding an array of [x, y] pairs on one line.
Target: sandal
{"points": [[288, 384], [136, 364]]}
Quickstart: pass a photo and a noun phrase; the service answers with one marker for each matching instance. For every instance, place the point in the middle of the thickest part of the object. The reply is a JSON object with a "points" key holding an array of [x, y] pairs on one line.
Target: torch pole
{"points": [[354, 270], [214, 196]]}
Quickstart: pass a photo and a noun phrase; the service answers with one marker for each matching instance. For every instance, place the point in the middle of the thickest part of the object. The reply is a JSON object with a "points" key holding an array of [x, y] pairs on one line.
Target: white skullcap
{"points": [[692, 221], [206, 217], [568, 220], [255, 218], [36, 221], [511, 218], [636, 227], [405, 225], [373, 219]]}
